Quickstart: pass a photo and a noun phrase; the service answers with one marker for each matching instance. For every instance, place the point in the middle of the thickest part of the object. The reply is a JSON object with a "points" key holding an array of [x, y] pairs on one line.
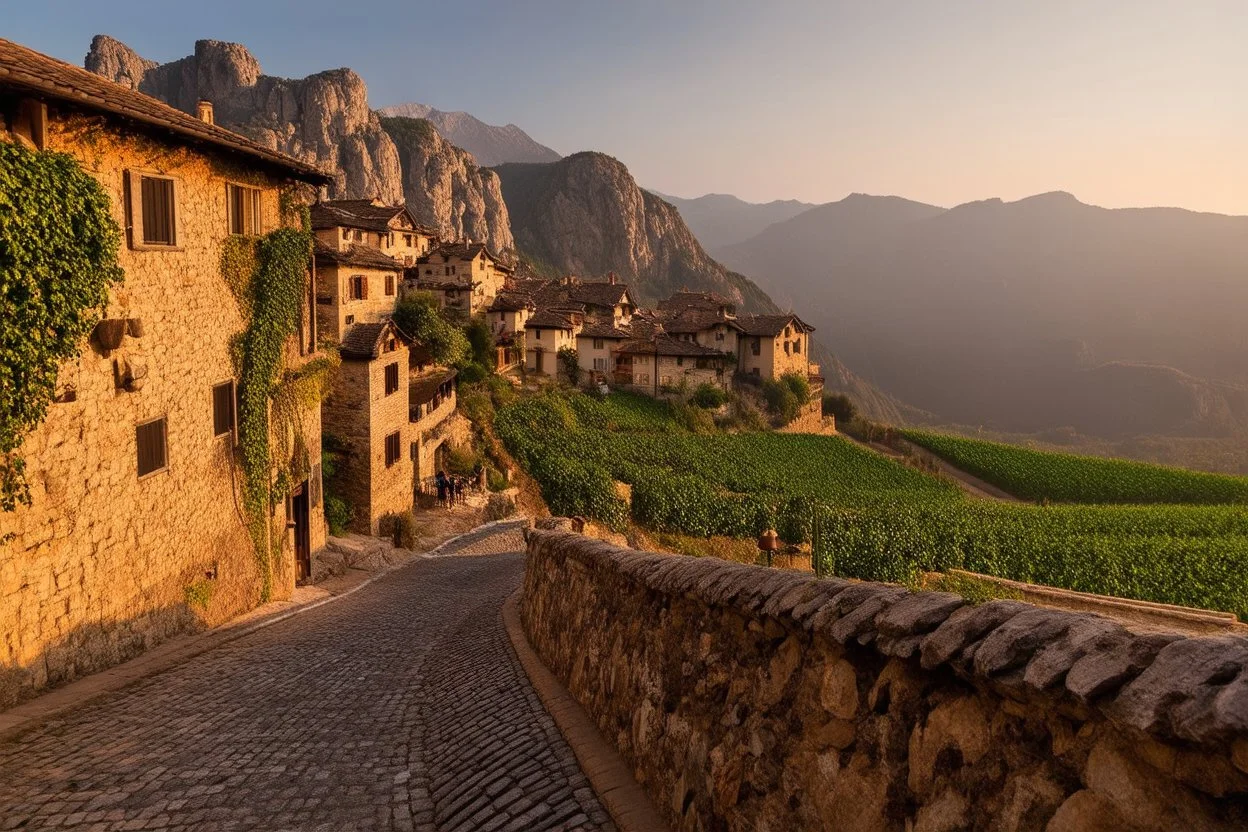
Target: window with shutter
{"points": [[389, 285], [358, 287], [243, 209], [392, 449], [156, 200], [392, 378], [223, 408], [150, 440]]}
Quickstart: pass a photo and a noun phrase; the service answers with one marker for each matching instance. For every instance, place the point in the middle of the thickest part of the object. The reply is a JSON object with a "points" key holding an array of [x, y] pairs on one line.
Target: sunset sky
{"points": [[1138, 102]]}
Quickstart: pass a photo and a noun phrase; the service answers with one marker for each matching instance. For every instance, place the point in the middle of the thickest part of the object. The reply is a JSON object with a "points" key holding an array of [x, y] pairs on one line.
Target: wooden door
{"points": [[303, 542]]}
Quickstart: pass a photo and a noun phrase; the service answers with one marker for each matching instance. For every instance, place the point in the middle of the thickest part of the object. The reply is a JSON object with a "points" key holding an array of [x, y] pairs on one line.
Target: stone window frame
{"points": [[164, 466], [134, 210]]}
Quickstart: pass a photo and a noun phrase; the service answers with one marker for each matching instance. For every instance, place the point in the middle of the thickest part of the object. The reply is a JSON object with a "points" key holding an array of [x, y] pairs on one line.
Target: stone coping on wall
{"points": [[1192, 691]]}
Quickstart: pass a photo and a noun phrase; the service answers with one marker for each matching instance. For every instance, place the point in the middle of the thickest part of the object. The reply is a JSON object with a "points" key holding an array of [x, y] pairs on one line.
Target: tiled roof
{"points": [[598, 293], [695, 320], [511, 302], [28, 71], [695, 300], [362, 213], [462, 251], [445, 285], [771, 325], [363, 341], [551, 319], [604, 329], [356, 255], [423, 388], [666, 345]]}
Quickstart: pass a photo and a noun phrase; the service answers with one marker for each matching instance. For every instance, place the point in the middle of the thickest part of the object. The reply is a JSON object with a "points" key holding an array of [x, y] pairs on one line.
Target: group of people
{"points": [[452, 490]]}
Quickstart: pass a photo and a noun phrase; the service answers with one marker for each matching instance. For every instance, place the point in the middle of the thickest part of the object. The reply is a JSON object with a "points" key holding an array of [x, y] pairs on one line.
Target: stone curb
{"points": [[52, 704], [628, 804]]}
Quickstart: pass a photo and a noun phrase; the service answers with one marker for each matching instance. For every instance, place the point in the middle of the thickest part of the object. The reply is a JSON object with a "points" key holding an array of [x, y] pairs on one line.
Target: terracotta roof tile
{"points": [[363, 341], [771, 325]]}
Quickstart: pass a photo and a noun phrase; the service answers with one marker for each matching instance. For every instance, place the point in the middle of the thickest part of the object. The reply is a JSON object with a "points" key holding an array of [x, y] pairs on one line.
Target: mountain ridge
{"points": [[722, 219], [1025, 315], [490, 144]]}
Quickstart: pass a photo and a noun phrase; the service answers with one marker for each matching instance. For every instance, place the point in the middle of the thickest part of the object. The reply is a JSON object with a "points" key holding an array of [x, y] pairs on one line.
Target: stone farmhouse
{"points": [[465, 277], [341, 223], [134, 484]]}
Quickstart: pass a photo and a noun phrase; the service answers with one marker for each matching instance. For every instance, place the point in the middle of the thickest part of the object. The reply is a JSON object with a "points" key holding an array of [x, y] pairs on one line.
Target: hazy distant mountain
{"points": [[491, 145], [1026, 315], [721, 219]]}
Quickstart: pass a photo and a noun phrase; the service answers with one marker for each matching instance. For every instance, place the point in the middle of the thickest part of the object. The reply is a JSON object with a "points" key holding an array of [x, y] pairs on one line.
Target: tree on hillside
{"points": [[840, 406], [420, 318]]}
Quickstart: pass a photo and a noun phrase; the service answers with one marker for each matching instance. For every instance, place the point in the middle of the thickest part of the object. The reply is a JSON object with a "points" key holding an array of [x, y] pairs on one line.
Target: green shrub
{"points": [[401, 528], [709, 396], [570, 364], [338, 514], [494, 479], [463, 460], [499, 507], [477, 406], [782, 403], [418, 316], [798, 385], [473, 373], [480, 343], [841, 407]]}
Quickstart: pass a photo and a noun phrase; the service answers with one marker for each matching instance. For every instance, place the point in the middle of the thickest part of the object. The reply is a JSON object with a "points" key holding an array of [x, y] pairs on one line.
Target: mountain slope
{"points": [[721, 219], [490, 144], [323, 119], [1026, 315]]}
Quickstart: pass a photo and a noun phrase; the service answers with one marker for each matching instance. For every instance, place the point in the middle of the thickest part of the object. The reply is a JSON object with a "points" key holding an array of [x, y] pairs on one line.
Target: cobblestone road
{"points": [[398, 707]]}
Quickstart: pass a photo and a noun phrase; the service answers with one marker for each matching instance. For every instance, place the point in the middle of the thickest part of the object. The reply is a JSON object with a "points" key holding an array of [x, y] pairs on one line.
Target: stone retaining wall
{"points": [[753, 699]]}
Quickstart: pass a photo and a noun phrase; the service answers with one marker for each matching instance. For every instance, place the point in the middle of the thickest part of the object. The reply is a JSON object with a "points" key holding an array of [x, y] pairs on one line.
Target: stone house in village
{"points": [[368, 413], [391, 409], [133, 476], [546, 332], [465, 277], [772, 345]]}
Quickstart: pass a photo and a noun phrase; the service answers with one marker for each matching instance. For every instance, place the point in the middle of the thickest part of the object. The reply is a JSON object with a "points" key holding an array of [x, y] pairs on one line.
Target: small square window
{"points": [[392, 449], [150, 440], [223, 408]]}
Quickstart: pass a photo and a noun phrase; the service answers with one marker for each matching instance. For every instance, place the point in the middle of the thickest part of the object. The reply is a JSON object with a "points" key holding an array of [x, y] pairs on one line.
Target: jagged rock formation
{"points": [[445, 188], [490, 144], [585, 214], [323, 119]]}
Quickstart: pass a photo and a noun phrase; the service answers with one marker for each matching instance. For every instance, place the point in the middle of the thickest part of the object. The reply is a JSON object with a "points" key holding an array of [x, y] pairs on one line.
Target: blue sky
{"points": [[1131, 102]]}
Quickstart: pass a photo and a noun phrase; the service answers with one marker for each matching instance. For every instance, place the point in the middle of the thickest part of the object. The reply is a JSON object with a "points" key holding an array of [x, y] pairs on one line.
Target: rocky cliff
{"points": [[585, 214], [444, 186], [323, 119], [489, 143]]}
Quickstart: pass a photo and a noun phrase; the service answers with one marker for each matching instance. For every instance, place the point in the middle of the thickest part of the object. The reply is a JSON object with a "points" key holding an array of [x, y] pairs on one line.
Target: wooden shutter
{"points": [[392, 378], [364, 287], [134, 206], [223, 408], [150, 439], [392, 449]]}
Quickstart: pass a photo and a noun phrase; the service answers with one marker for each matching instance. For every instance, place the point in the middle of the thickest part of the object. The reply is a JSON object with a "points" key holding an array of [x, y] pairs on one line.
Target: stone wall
{"points": [[98, 567], [753, 699]]}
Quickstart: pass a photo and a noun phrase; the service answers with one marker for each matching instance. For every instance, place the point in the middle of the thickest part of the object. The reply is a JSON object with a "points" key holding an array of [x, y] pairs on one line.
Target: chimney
{"points": [[611, 278], [204, 111]]}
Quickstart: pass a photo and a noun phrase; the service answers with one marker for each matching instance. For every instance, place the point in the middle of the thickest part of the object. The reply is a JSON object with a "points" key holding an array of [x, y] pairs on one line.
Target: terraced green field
{"points": [[1066, 478], [874, 519]]}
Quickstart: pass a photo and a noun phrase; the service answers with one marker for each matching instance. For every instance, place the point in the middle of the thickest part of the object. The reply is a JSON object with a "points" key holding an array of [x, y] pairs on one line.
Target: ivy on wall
{"points": [[58, 258], [276, 305]]}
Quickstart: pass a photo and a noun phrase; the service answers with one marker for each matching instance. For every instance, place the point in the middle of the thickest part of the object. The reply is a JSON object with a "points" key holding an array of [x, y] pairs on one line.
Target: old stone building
{"points": [[135, 530], [772, 345], [431, 406], [391, 229], [368, 413], [355, 284], [465, 277]]}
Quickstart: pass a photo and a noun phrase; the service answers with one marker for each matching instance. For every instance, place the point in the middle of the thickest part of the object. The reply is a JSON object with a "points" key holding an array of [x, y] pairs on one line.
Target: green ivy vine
{"points": [[58, 258], [276, 290]]}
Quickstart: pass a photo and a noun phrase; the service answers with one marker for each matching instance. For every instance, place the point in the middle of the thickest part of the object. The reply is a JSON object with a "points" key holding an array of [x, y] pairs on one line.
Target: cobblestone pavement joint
{"points": [[399, 707]]}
